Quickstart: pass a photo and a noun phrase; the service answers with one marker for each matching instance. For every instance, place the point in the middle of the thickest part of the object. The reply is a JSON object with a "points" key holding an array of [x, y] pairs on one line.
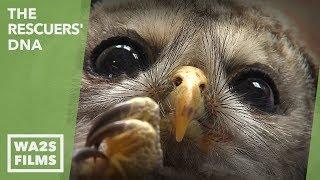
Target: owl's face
{"points": [[248, 84]]}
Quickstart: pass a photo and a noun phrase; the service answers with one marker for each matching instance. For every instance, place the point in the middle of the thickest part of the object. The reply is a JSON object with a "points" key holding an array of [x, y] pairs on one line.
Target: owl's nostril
{"points": [[177, 81], [202, 87]]}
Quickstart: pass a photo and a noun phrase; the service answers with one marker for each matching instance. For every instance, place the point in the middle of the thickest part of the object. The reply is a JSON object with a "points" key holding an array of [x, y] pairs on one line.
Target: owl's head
{"points": [[236, 91]]}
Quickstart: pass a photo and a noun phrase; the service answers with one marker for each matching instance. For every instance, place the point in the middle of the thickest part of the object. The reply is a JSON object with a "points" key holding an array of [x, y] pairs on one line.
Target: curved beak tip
{"points": [[180, 132], [179, 139]]}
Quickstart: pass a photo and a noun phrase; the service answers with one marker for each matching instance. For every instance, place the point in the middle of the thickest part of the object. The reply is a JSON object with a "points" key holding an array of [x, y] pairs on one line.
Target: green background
{"points": [[313, 172], [40, 89]]}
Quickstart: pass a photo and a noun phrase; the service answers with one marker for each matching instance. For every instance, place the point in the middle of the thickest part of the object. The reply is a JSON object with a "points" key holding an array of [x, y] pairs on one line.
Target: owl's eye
{"points": [[119, 56], [257, 89]]}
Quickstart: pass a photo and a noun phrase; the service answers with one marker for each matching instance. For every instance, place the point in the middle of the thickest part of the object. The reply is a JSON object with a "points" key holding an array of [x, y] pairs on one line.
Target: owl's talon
{"points": [[85, 153], [116, 113], [141, 108], [89, 163], [109, 130], [134, 150], [125, 141]]}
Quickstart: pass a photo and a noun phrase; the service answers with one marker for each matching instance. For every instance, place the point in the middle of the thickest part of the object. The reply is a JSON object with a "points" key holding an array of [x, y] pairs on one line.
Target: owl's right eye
{"points": [[119, 56], [257, 89]]}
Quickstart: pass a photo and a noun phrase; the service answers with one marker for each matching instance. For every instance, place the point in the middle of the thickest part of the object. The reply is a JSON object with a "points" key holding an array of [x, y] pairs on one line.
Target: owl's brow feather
{"points": [[214, 52], [171, 57]]}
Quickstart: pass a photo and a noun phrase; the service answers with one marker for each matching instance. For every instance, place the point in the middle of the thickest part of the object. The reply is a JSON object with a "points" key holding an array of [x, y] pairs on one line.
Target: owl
{"points": [[193, 89]]}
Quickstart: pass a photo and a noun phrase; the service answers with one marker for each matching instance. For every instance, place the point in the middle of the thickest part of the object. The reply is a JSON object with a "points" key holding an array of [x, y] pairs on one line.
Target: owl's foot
{"points": [[123, 142]]}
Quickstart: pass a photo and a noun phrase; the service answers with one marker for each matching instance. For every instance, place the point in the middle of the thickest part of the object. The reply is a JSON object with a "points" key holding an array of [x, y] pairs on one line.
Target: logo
{"points": [[35, 153]]}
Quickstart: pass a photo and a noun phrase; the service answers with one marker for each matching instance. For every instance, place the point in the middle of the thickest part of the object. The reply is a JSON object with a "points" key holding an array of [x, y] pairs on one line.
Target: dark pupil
{"points": [[117, 60], [257, 92]]}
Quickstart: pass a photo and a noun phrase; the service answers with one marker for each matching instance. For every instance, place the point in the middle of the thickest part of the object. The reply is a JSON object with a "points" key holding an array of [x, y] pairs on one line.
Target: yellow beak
{"points": [[187, 97]]}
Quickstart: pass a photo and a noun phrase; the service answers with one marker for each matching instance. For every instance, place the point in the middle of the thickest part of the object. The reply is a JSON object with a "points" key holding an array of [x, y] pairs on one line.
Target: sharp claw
{"points": [[83, 167], [116, 113], [85, 153], [105, 131], [136, 108]]}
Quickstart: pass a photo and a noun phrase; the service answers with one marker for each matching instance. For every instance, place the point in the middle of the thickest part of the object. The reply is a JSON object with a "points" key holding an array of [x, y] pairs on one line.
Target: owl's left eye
{"points": [[257, 89], [119, 56]]}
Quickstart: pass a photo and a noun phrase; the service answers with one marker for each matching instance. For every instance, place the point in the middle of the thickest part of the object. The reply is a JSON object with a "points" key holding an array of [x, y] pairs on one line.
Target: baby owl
{"points": [[193, 89]]}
